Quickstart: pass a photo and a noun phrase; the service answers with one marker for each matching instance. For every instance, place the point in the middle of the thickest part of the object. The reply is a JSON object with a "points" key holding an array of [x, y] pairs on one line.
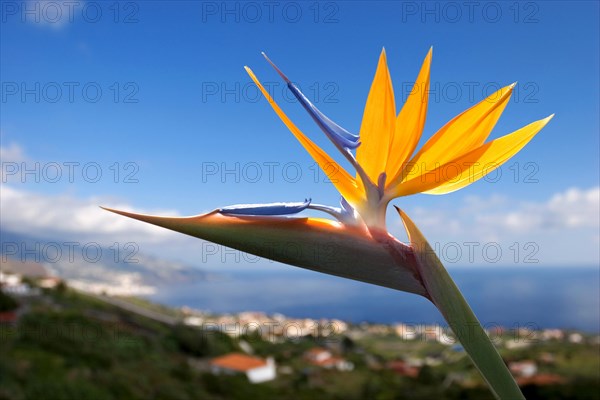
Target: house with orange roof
{"points": [[321, 357], [256, 369]]}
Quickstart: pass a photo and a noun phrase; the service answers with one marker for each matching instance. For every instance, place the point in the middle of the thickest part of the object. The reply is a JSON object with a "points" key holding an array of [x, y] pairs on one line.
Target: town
{"points": [[270, 354]]}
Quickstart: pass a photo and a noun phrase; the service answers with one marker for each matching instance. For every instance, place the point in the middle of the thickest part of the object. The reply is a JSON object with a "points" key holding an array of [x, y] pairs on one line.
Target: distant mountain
{"points": [[120, 269]]}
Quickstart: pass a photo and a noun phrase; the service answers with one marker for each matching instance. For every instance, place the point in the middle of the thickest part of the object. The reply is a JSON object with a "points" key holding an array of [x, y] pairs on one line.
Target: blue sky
{"points": [[176, 108]]}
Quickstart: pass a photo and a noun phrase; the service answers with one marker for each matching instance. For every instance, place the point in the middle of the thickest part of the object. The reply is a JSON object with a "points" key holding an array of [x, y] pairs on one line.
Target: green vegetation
{"points": [[140, 302], [7, 303], [71, 346]]}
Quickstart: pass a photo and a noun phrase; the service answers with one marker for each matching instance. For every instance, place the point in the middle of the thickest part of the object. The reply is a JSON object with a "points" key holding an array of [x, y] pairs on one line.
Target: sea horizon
{"points": [[509, 297]]}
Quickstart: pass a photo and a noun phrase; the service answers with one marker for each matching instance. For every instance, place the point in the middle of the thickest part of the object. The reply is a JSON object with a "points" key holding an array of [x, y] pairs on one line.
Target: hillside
{"points": [[118, 269], [66, 345]]}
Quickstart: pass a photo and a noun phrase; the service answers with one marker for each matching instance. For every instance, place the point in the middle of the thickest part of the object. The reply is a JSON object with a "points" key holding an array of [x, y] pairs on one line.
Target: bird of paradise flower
{"points": [[356, 244]]}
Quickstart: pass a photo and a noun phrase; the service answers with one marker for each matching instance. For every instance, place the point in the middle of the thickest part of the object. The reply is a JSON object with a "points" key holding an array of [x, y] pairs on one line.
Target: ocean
{"points": [[533, 297]]}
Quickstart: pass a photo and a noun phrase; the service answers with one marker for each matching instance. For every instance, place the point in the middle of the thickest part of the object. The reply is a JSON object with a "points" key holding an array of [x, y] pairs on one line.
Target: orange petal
{"points": [[463, 133], [471, 166], [378, 123], [410, 122]]}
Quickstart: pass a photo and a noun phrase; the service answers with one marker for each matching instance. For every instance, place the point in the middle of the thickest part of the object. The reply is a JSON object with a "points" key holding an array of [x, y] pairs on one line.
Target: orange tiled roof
{"points": [[238, 362]]}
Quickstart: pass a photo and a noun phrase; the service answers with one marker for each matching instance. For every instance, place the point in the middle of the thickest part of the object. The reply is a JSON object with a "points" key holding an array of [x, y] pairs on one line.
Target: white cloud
{"points": [[12, 153], [561, 230], [64, 216], [572, 209], [11, 156]]}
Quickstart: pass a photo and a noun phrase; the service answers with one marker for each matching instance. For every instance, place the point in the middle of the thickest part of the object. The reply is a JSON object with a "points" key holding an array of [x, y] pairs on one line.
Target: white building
{"points": [[193, 320], [525, 368]]}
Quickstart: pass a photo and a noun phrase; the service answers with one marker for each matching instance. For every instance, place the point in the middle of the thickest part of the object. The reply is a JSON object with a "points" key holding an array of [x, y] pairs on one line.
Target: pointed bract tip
{"points": [[112, 210], [399, 210], [409, 226], [402, 213]]}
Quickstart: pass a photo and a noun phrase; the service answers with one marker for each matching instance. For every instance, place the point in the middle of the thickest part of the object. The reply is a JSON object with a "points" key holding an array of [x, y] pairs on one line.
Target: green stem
{"points": [[446, 296]]}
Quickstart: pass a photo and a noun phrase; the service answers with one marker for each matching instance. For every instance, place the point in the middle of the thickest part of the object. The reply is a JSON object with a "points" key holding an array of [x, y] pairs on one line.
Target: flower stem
{"points": [[446, 296]]}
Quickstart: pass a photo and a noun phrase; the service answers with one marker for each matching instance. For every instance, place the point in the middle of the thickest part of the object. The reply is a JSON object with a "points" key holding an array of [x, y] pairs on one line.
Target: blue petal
{"points": [[346, 209], [334, 132], [265, 209]]}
